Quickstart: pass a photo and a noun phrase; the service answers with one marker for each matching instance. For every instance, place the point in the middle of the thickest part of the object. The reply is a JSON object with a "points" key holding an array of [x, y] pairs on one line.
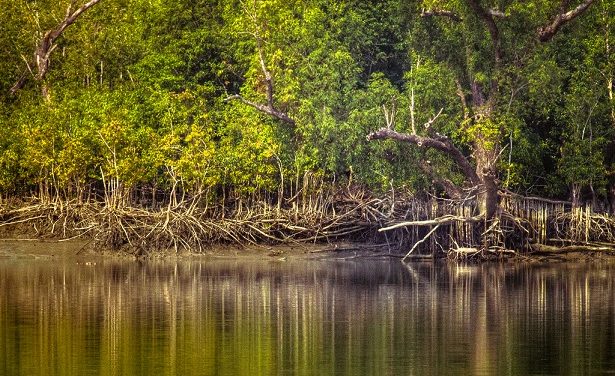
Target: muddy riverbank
{"points": [[86, 252]]}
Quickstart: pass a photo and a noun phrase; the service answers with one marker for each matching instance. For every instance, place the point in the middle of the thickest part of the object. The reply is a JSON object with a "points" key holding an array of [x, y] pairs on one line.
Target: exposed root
{"points": [[433, 227], [186, 225]]}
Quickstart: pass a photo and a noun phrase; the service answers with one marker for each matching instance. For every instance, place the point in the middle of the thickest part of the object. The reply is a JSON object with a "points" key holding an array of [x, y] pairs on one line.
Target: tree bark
{"points": [[547, 32], [45, 47], [268, 108], [488, 197], [441, 143]]}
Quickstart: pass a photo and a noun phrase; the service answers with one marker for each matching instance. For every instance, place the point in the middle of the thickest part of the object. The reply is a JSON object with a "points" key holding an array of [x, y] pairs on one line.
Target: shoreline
{"points": [[408, 228], [82, 250]]}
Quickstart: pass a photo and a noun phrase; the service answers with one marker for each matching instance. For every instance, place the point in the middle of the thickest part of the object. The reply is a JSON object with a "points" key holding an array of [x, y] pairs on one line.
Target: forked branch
{"points": [[434, 140], [547, 32], [47, 44], [438, 142], [268, 108]]}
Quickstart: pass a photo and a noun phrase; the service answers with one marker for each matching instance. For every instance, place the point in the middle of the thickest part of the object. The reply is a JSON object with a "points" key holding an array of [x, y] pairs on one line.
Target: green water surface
{"points": [[305, 317]]}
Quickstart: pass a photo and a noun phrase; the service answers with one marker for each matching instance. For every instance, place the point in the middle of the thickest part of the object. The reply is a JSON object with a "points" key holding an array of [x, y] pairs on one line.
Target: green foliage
{"points": [[138, 91], [248, 152]]}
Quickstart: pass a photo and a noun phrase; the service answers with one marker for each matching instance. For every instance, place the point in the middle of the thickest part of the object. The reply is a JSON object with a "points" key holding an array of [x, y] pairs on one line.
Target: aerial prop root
{"points": [[496, 230]]}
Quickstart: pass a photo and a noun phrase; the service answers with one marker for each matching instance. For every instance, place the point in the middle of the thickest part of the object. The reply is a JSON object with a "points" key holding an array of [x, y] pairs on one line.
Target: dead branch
{"points": [[546, 249], [389, 116], [420, 241], [429, 123], [547, 32], [441, 13], [446, 219], [441, 143]]}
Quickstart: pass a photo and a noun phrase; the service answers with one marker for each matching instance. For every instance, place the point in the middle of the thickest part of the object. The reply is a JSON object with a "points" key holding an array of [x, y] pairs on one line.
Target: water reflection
{"points": [[304, 318]]}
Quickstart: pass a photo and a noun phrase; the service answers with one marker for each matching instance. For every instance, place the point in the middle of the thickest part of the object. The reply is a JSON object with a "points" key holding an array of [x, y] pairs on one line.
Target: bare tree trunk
{"points": [[487, 197], [575, 195], [611, 198]]}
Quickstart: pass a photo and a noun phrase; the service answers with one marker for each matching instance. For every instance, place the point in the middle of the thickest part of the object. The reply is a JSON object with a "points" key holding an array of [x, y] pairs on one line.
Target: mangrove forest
{"points": [[459, 128]]}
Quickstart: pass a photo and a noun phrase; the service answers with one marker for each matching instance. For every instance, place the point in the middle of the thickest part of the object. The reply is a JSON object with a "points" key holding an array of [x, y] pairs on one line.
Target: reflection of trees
{"points": [[304, 318]]}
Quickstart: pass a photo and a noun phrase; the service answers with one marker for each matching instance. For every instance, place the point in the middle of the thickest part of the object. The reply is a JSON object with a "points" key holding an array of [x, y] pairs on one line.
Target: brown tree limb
{"points": [[47, 45], [19, 84], [487, 17], [453, 191], [438, 142], [441, 13], [547, 32], [268, 108]]}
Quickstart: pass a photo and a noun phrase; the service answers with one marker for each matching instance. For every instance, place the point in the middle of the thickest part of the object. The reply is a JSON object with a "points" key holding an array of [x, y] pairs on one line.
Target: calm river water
{"points": [[304, 317]]}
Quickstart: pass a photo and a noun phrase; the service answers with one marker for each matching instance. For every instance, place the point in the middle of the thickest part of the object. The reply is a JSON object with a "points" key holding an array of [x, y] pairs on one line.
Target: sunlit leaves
{"points": [[139, 88]]}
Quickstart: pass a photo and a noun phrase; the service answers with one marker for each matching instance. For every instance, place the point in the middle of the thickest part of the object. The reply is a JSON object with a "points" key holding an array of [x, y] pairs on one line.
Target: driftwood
{"points": [[433, 222], [550, 250], [420, 241]]}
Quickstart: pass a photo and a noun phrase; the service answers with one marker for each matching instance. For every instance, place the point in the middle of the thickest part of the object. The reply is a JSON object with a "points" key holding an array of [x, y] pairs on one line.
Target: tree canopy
{"points": [[252, 95]]}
